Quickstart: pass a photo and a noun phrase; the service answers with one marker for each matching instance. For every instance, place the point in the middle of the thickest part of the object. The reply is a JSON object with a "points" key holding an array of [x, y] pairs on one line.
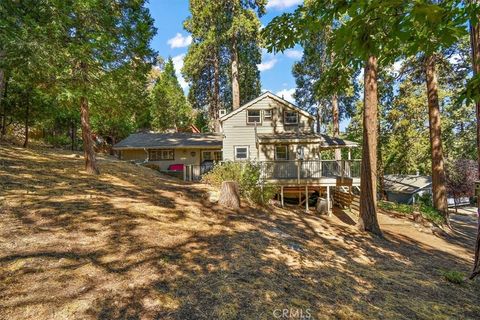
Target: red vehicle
{"points": [[176, 167]]}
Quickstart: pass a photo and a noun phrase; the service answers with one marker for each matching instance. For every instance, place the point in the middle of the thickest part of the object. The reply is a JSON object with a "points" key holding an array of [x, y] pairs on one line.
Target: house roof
{"points": [[170, 140], [269, 95], [303, 137], [409, 184]]}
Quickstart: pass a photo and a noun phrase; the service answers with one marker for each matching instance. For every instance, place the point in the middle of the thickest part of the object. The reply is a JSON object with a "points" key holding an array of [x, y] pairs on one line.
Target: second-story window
{"points": [[290, 117], [267, 115], [253, 116]]}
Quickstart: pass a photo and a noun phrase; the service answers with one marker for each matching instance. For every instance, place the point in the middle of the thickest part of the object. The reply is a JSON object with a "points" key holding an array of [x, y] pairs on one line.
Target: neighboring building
{"points": [[403, 188], [165, 149]]}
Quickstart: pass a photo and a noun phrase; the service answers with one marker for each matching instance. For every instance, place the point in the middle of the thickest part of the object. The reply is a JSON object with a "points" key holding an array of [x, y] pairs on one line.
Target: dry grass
{"points": [[133, 244]]}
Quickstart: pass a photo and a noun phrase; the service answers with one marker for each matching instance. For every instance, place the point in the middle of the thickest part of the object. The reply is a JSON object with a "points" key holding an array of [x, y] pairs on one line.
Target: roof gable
{"points": [[267, 94]]}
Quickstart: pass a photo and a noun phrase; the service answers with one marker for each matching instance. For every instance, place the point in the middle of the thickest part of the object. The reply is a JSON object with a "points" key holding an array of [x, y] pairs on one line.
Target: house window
{"points": [[241, 152], [253, 116], [217, 156], [160, 154], [207, 155], [290, 117], [267, 115], [281, 153]]}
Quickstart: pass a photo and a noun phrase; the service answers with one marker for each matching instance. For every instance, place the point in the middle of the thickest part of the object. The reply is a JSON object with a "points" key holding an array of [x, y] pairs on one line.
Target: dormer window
{"points": [[253, 116], [290, 117]]}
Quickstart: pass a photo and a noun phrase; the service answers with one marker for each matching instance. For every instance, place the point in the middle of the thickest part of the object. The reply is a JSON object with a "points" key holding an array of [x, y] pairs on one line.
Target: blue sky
{"points": [[172, 40]]}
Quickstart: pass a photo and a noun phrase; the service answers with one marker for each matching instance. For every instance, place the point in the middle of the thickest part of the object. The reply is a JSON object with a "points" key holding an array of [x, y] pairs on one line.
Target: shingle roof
{"points": [[169, 140], [403, 183], [299, 137]]}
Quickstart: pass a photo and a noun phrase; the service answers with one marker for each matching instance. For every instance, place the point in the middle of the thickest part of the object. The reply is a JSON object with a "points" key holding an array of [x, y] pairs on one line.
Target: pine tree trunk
{"points": [[27, 118], [235, 85], [336, 124], [89, 152], [368, 177], [475, 46], [439, 192], [216, 93], [73, 134], [3, 106]]}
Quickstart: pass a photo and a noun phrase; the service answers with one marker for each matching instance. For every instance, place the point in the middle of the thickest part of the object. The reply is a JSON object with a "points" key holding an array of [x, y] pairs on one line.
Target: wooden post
{"points": [[306, 198], [191, 173], [299, 196], [185, 173], [281, 195], [328, 200], [298, 171], [349, 153]]}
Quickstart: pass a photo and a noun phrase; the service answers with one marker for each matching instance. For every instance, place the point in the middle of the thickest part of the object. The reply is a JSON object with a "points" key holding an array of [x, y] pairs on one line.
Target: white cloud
{"points": [[282, 4], [267, 65], [287, 94], [179, 41], [178, 64], [294, 54]]}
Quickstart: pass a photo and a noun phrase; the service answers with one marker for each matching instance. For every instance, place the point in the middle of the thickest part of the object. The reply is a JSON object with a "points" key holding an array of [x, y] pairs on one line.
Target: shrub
{"points": [[247, 175], [453, 276]]}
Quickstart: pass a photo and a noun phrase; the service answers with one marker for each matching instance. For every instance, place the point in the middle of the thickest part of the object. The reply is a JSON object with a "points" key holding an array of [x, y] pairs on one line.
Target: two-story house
{"points": [[268, 130]]}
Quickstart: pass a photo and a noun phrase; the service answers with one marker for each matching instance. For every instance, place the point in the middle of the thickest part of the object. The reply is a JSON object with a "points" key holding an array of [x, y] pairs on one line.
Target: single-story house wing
{"points": [[166, 149]]}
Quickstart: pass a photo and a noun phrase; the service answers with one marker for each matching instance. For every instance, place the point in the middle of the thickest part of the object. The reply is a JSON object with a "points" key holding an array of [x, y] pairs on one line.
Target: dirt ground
{"points": [[133, 244]]}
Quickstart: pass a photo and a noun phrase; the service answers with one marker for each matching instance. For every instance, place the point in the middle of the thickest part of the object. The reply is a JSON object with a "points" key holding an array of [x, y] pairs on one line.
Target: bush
{"points": [[247, 175], [425, 209], [453, 276], [58, 141]]}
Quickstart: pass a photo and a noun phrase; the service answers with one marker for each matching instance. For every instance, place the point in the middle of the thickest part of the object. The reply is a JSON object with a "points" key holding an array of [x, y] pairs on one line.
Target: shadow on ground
{"points": [[132, 244]]}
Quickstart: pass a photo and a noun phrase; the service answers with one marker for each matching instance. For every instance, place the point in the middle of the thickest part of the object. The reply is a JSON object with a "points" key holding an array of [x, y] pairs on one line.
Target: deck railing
{"points": [[308, 169], [288, 169]]}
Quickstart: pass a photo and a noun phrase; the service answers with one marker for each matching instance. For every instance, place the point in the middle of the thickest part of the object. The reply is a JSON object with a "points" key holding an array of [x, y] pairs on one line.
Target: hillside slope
{"points": [[134, 244]]}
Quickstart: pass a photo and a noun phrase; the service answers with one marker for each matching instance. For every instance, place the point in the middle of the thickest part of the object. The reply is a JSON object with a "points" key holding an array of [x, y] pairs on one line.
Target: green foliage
{"points": [[170, 108], [425, 209], [248, 177], [213, 23], [453, 276]]}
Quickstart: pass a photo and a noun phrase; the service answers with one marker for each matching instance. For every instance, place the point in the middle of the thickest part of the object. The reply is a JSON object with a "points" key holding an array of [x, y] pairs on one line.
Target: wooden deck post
{"points": [[281, 195], [306, 198], [185, 173], [328, 200], [298, 171]]}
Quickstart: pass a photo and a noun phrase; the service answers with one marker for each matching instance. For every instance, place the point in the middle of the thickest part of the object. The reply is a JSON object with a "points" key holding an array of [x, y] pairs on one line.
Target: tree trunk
{"points": [[73, 136], [319, 116], [3, 105], [27, 118], [439, 193], [336, 124], [229, 195], [216, 93], [368, 177], [475, 46], [88, 151], [235, 85]]}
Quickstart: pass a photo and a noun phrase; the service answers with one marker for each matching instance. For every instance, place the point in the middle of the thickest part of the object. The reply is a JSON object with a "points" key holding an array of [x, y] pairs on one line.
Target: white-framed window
{"points": [[161, 154], [267, 115], [290, 117], [241, 152], [281, 152], [253, 116]]}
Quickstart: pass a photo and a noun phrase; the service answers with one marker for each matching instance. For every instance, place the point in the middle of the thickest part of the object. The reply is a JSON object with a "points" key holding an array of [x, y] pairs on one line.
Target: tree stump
{"points": [[229, 195]]}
